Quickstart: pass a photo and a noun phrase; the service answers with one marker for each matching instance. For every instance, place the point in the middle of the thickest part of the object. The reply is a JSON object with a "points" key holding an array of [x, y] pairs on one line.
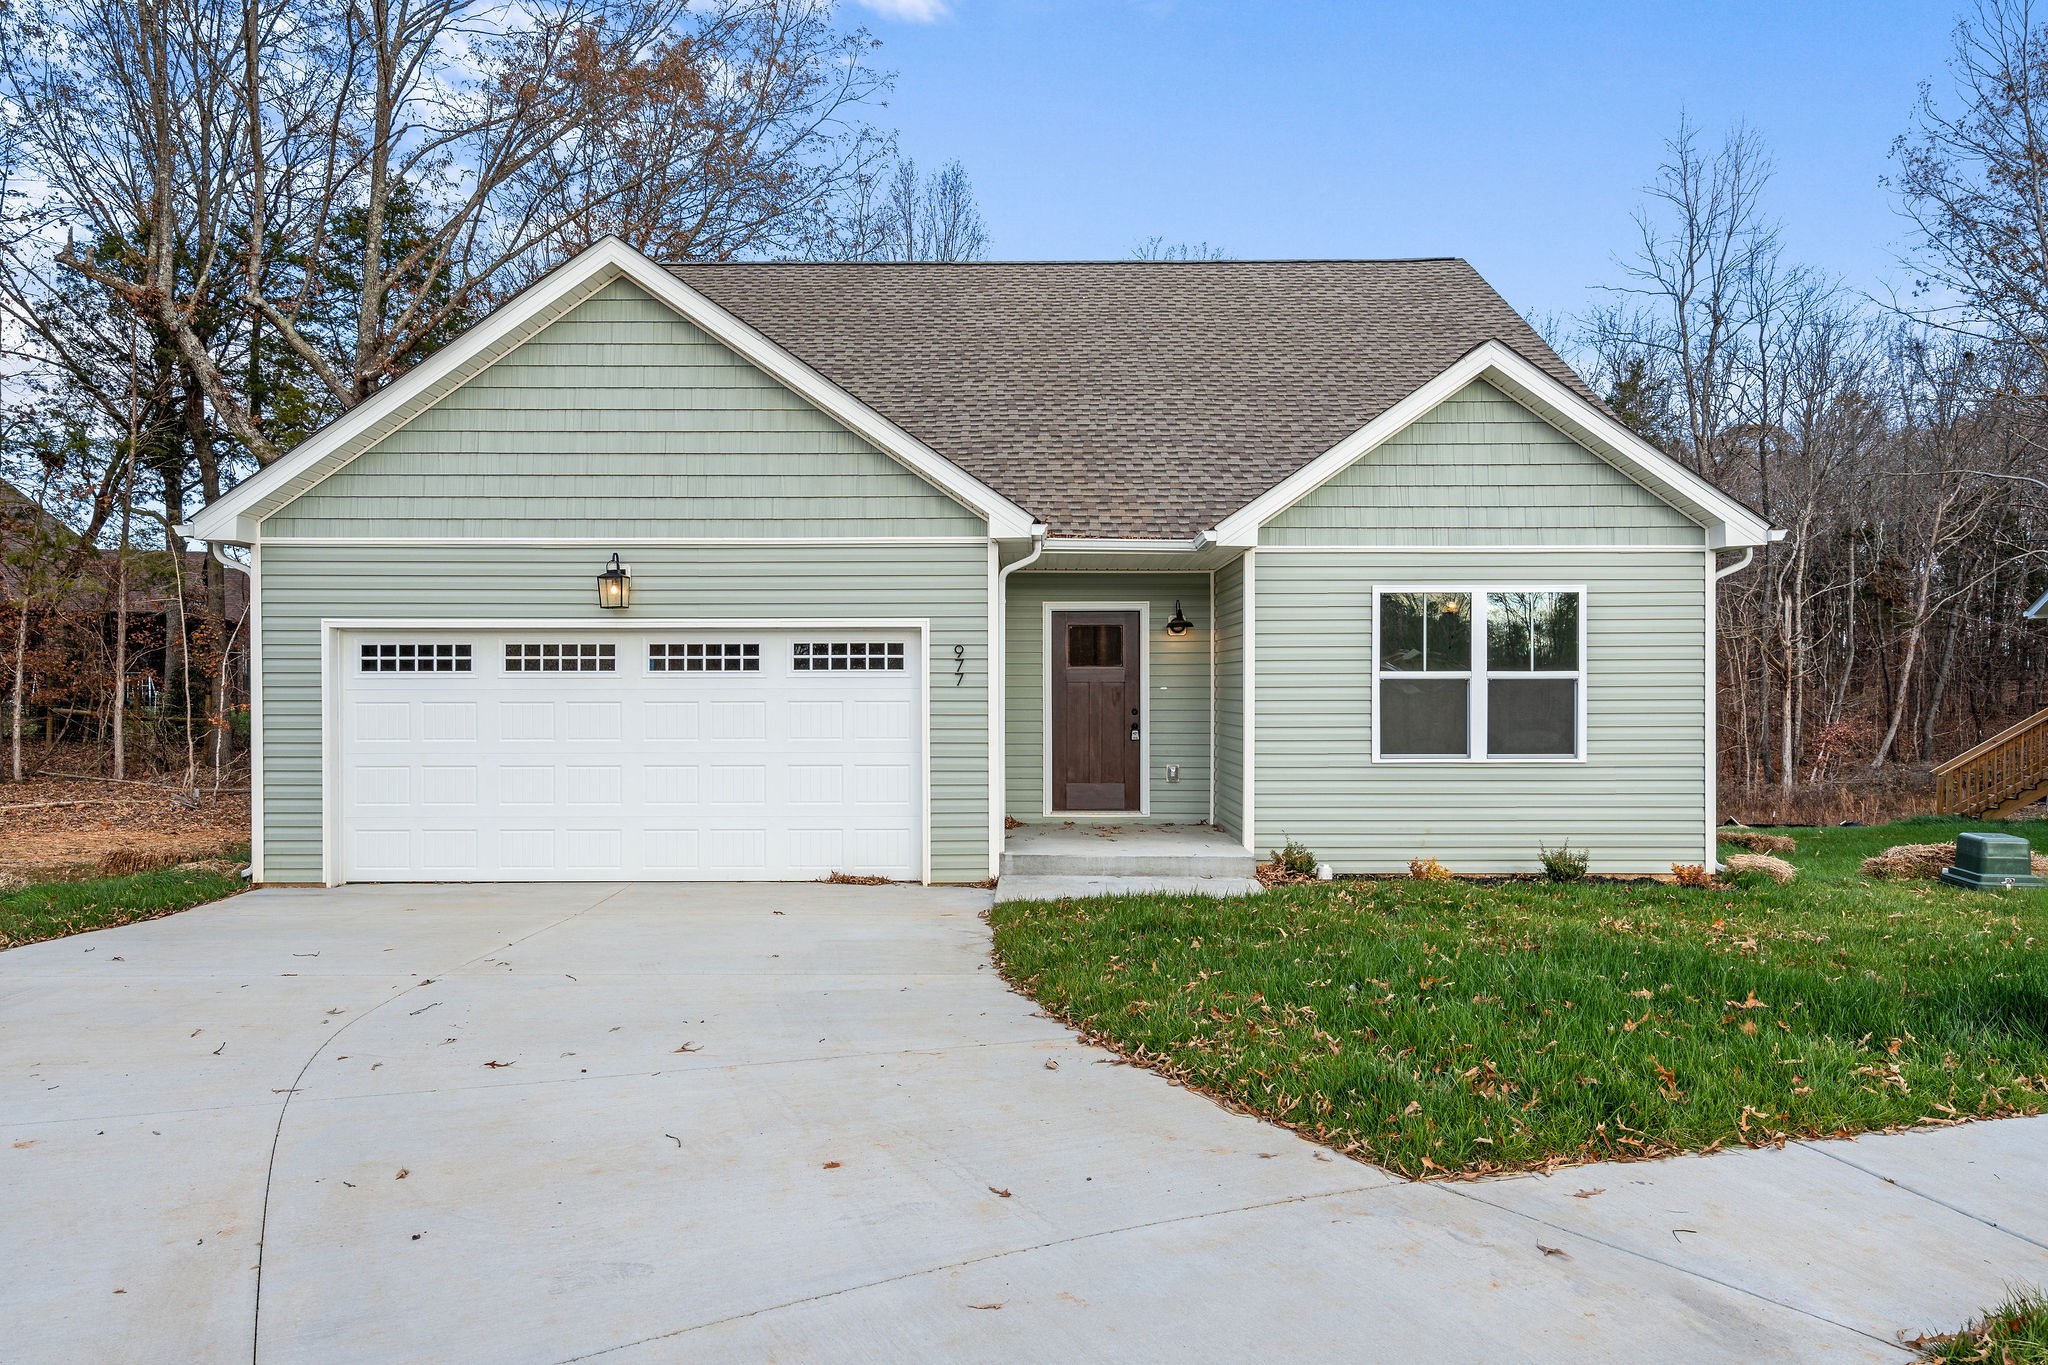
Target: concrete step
{"points": [[1074, 888], [1106, 850]]}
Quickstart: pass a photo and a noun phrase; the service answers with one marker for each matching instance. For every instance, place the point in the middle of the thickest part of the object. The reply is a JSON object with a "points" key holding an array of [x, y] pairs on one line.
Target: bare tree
{"points": [[1157, 248], [1973, 181], [742, 135], [1687, 299], [923, 218]]}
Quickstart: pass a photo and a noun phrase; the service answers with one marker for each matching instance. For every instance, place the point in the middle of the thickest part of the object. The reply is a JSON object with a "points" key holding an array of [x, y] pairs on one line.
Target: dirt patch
{"points": [[55, 828]]}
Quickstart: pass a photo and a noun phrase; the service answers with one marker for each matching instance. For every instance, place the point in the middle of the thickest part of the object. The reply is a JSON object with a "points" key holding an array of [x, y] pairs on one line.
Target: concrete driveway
{"points": [[649, 1123]]}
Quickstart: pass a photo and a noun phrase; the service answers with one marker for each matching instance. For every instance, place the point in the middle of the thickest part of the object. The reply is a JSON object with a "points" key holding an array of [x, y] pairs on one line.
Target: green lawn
{"points": [[1461, 1027], [54, 909], [2014, 1333]]}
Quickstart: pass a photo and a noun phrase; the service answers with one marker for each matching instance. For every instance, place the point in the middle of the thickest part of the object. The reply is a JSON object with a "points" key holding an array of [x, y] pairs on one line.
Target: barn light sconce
{"points": [[614, 586], [1179, 625]]}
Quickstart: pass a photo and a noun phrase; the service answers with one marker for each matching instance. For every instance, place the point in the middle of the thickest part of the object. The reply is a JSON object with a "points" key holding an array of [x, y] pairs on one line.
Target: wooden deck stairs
{"points": [[2005, 774]]}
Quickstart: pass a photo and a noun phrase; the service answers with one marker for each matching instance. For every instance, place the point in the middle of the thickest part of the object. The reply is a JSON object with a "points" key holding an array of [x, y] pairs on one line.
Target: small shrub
{"points": [[1757, 842], [1294, 857], [1428, 870], [1691, 874], [1564, 863], [1761, 865]]}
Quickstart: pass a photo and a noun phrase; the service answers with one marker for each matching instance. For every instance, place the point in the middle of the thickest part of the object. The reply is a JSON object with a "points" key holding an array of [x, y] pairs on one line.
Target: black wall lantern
{"points": [[1179, 625], [614, 586]]}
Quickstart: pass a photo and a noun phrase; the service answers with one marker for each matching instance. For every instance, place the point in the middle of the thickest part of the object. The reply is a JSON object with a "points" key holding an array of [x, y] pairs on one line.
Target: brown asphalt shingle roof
{"points": [[1129, 398]]}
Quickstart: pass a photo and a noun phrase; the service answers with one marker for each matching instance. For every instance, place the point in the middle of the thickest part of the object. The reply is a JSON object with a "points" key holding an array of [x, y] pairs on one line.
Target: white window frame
{"points": [[1475, 674]]}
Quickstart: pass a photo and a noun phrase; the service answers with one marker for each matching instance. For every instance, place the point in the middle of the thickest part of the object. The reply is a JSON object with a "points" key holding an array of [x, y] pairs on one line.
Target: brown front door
{"points": [[1096, 700]]}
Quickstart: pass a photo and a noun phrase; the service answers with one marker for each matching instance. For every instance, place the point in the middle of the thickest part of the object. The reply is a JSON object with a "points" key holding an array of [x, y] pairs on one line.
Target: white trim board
{"points": [[1249, 759], [1728, 523], [992, 652], [237, 516], [256, 710], [1474, 549], [1144, 611], [603, 542], [332, 661]]}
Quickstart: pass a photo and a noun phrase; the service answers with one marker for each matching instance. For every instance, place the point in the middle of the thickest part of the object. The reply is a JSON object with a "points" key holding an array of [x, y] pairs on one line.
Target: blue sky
{"points": [[1516, 135]]}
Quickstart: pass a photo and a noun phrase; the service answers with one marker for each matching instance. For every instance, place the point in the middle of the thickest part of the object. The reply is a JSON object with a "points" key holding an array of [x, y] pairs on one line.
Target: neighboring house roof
{"points": [[1128, 398], [2039, 610]]}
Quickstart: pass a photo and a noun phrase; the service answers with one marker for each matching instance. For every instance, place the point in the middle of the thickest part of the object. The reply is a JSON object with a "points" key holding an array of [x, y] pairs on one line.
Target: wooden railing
{"points": [[2010, 764]]}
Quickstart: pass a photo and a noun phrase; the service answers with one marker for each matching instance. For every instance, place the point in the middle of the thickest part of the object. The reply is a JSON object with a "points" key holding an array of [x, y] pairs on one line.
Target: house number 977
{"points": [[959, 664]]}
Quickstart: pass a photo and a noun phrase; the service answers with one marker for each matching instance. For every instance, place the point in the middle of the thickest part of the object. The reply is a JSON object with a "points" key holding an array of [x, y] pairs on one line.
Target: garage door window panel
{"points": [[564, 657], [415, 657], [692, 656], [848, 656]]}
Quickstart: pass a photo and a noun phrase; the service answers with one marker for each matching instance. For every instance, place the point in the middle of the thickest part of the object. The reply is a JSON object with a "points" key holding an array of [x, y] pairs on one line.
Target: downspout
{"points": [[999, 688], [1712, 858]]}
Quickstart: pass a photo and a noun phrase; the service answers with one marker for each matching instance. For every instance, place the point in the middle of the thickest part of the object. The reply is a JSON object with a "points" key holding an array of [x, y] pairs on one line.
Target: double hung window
{"points": [[1479, 673]]}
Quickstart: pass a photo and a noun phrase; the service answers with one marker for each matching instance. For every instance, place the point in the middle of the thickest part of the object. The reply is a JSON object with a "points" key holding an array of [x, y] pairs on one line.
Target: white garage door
{"points": [[669, 755]]}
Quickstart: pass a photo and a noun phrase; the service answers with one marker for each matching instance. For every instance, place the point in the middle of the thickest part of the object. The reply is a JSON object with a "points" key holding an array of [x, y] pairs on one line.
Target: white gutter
{"points": [[1739, 565], [998, 692], [214, 548], [1712, 857], [1125, 545]]}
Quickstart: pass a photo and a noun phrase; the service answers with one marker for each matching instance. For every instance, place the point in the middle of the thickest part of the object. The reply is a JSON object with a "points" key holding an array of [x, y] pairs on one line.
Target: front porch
{"points": [[1049, 860], [1111, 697]]}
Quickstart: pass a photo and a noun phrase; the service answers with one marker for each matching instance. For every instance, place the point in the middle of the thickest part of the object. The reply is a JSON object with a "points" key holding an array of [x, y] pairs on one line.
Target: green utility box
{"points": [[1992, 862]]}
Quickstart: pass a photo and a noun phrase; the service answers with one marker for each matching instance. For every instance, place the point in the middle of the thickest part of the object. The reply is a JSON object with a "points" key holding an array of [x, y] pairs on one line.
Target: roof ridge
{"points": [[970, 265]]}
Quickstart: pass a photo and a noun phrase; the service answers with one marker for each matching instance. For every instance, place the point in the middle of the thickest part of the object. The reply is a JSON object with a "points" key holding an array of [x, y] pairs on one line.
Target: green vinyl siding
{"points": [[1230, 697], [1638, 803], [945, 584], [1480, 469], [1177, 683], [622, 419]]}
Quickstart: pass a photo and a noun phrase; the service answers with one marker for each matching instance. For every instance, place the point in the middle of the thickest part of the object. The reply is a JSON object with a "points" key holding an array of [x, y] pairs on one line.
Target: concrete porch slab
{"points": [[1109, 849], [1031, 888]]}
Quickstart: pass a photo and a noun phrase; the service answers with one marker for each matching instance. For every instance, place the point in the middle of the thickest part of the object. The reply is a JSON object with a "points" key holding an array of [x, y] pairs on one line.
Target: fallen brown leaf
{"points": [[1587, 1194], [1000, 1194], [1553, 1251], [831, 1166]]}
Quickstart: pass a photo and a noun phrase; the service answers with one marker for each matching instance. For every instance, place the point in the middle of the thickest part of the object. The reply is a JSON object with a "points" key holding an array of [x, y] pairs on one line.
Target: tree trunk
{"points": [[20, 680], [1940, 689]]}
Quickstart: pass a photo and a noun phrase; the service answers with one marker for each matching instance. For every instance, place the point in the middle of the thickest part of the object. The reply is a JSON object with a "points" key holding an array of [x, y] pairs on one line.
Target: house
{"points": [[1339, 551]]}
